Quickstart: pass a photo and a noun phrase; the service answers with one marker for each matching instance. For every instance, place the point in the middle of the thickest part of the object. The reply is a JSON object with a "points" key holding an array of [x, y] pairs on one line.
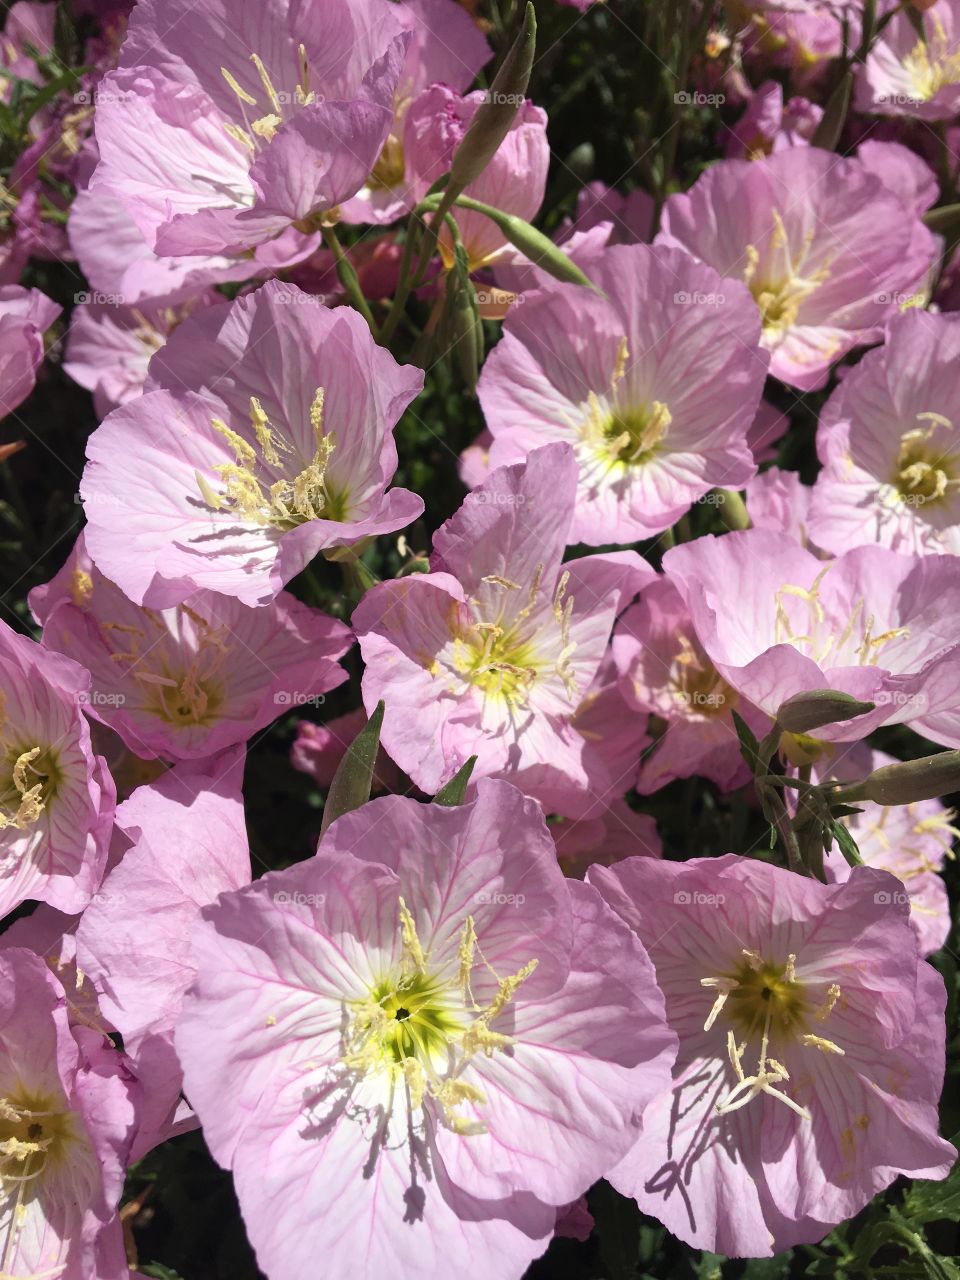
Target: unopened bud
{"points": [[818, 707], [493, 119], [532, 243], [924, 779]]}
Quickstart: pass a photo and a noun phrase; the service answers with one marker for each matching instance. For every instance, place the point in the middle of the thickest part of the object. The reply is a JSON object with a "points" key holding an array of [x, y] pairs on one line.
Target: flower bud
{"points": [[924, 779], [492, 122], [818, 707]]}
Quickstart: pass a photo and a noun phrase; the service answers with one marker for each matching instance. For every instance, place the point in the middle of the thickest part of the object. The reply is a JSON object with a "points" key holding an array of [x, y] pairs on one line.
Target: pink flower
{"points": [[811, 1050], [429, 1018], [495, 650], [656, 400], [56, 797], [826, 250], [630, 214], [780, 500], [447, 47], [769, 125], [257, 129], [270, 420], [902, 171], [886, 437], [513, 181], [668, 674], [67, 1118], [186, 681], [869, 623], [767, 429], [913, 76], [619, 833], [25, 315], [319, 748], [118, 262], [189, 843], [109, 346]]}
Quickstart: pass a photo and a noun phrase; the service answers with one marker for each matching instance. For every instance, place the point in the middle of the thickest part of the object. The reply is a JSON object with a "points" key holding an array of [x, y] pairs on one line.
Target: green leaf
{"points": [[931, 1201], [749, 746], [847, 845], [453, 792], [160, 1272], [827, 133], [351, 783]]}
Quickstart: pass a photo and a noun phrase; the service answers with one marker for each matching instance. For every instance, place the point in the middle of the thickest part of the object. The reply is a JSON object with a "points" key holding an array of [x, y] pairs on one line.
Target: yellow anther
{"points": [[241, 93], [266, 82], [243, 450], [411, 943]]}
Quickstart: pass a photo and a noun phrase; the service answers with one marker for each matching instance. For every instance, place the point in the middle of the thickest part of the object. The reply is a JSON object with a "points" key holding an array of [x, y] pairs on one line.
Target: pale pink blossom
{"points": [[265, 437], [56, 796], [495, 651], [428, 1017], [656, 400], [828, 252], [184, 682], [811, 1050], [909, 75]]}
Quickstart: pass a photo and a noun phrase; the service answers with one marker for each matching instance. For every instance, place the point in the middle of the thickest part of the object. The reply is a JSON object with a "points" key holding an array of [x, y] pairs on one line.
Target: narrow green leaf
{"points": [[351, 783], [847, 845], [827, 133], [749, 746], [453, 792]]}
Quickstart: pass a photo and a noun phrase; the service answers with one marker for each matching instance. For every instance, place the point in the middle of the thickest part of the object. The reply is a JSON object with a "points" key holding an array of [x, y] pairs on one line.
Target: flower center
{"points": [[696, 684], [283, 502], [36, 1134], [933, 63], [420, 1026], [927, 466], [780, 287], [389, 170], [179, 663], [29, 777], [502, 658], [621, 431], [764, 1001], [802, 622], [262, 128]]}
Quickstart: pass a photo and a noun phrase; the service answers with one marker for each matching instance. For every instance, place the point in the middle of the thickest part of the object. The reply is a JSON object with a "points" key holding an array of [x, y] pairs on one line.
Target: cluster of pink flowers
{"points": [[425, 1043]]}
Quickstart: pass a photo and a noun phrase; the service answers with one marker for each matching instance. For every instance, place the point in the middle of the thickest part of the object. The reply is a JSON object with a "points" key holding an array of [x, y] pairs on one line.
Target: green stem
{"points": [[348, 277]]}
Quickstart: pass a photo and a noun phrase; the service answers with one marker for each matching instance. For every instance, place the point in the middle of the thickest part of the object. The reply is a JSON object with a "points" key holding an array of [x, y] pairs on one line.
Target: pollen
{"points": [[767, 1008], [260, 487], [419, 1027]]}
